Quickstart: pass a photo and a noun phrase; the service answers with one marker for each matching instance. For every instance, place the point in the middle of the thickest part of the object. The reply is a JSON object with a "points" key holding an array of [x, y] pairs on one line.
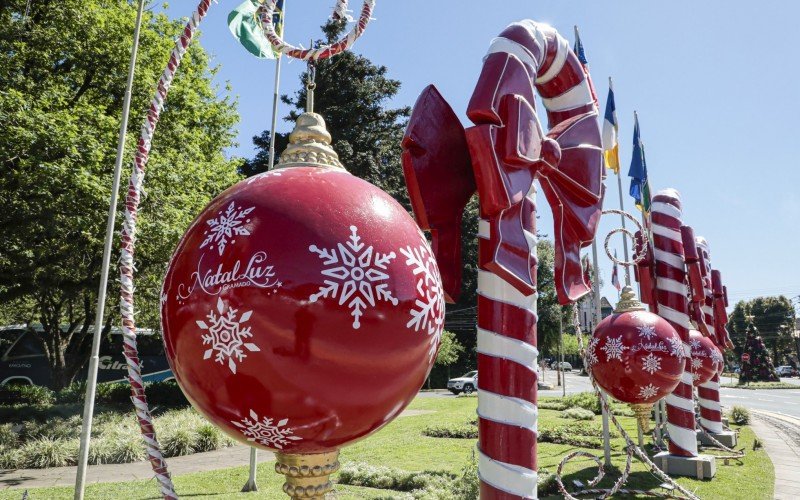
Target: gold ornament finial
{"points": [[642, 413], [628, 301], [309, 145], [307, 476]]}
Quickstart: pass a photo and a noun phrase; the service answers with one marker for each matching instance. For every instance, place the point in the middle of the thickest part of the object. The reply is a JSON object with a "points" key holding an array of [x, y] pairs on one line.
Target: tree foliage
{"points": [[63, 69], [773, 317], [449, 349]]}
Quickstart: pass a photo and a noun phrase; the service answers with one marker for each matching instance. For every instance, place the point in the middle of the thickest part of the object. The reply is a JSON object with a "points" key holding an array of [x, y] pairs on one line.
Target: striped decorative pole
{"points": [[708, 393], [671, 296], [507, 380], [127, 252]]}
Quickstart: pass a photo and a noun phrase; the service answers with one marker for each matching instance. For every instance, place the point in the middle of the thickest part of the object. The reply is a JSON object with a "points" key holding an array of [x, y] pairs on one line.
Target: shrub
{"points": [[33, 395], [8, 436], [546, 483], [586, 400], [578, 414], [467, 486], [757, 444], [740, 415], [177, 442], [583, 434], [47, 452], [387, 478], [167, 394], [552, 404], [10, 458], [463, 431]]}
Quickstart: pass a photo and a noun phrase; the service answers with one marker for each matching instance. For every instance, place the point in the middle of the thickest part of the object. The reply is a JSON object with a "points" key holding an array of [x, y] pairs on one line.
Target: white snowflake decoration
{"points": [[695, 376], [676, 346], [696, 363], [651, 363], [268, 173], [358, 275], [647, 331], [428, 311], [695, 344], [614, 348], [717, 357], [226, 336], [648, 391], [591, 354], [228, 224], [266, 432]]}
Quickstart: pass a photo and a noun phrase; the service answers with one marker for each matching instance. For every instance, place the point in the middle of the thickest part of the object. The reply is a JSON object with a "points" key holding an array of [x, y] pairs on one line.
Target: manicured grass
{"points": [[763, 385], [402, 445]]}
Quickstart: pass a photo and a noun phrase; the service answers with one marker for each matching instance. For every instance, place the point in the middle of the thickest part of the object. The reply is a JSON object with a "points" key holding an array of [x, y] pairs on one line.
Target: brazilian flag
{"points": [[245, 26]]}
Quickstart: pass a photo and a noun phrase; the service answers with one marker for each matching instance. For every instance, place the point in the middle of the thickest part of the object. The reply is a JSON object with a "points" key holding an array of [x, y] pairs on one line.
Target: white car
{"points": [[466, 383], [785, 371]]}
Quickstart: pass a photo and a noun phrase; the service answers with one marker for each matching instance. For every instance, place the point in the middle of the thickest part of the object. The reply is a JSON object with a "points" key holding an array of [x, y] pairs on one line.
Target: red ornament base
{"points": [[706, 358], [302, 310]]}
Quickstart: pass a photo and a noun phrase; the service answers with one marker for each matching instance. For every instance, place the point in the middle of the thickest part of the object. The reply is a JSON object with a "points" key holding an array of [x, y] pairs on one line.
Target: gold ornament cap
{"points": [[642, 413], [310, 145], [628, 301]]}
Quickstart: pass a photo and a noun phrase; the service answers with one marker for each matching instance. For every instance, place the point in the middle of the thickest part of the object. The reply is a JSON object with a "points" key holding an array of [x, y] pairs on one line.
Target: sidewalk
{"points": [[234, 456], [780, 435]]}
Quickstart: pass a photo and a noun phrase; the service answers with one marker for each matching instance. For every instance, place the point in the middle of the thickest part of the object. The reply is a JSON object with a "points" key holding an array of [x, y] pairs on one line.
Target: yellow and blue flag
{"points": [[245, 25], [611, 133], [640, 186]]}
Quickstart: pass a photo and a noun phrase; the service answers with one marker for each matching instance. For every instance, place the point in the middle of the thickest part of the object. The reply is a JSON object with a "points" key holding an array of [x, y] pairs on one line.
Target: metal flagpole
{"points": [[621, 205], [251, 485], [599, 316], [91, 383], [561, 350], [275, 99]]}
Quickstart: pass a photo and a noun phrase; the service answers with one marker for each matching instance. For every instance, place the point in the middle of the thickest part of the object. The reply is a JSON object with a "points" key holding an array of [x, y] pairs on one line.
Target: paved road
{"points": [[785, 401]]}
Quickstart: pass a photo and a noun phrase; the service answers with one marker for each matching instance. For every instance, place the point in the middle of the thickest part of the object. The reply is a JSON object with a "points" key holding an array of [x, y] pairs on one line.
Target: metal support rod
{"points": [[251, 484], [275, 109], [561, 350], [599, 317], [622, 208], [91, 383]]}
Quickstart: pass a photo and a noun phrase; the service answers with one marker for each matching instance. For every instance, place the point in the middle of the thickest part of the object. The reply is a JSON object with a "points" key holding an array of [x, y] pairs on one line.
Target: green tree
{"points": [[63, 67], [773, 317], [548, 308], [449, 349]]}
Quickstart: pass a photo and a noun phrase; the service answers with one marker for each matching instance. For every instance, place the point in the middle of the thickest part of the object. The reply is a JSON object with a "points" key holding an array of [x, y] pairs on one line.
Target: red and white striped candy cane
{"points": [[127, 251], [671, 295], [507, 317], [708, 393], [326, 51]]}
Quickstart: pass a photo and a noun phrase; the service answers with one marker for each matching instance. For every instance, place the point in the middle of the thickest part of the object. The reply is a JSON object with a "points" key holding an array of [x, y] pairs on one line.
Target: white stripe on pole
{"points": [[91, 383]]}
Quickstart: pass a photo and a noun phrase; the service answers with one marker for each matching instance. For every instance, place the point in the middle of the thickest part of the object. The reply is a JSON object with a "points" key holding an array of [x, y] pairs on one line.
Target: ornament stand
{"points": [[630, 449]]}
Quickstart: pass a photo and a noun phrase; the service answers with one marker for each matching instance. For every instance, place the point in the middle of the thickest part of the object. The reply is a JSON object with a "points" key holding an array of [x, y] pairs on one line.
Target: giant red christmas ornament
{"points": [[303, 308], [635, 355], [706, 358]]}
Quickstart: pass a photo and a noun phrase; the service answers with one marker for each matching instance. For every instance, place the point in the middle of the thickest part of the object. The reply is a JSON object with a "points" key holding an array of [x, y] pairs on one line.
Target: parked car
{"points": [[566, 366], [466, 383], [23, 361], [786, 371]]}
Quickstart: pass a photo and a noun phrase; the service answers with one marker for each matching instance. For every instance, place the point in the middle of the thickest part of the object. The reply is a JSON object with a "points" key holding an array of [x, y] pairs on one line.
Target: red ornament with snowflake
{"points": [[636, 357], [302, 310], [706, 358]]}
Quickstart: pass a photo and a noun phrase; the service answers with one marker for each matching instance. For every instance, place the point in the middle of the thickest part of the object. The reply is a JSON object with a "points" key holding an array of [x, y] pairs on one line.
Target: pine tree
{"points": [[352, 95], [759, 368]]}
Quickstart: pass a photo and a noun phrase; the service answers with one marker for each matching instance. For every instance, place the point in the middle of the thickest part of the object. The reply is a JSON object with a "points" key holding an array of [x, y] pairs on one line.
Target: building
{"points": [[586, 312]]}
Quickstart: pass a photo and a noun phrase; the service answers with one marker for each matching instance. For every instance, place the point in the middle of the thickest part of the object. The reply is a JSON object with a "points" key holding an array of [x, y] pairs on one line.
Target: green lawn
{"points": [[401, 445]]}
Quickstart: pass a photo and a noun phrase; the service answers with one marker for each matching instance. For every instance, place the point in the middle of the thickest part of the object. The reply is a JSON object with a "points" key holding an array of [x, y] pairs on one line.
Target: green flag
{"points": [[245, 25]]}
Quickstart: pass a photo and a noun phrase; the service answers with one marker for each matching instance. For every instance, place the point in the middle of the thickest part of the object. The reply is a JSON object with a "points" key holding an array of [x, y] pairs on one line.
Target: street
{"points": [[781, 401]]}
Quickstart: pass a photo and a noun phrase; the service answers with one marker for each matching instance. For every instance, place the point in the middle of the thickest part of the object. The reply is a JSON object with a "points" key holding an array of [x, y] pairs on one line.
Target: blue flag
{"points": [[640, 188]]}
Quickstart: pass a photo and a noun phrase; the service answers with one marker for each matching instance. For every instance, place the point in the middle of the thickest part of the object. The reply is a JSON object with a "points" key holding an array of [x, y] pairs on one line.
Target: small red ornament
{"points": [[706, 358], [635, 356], [303, 308]]}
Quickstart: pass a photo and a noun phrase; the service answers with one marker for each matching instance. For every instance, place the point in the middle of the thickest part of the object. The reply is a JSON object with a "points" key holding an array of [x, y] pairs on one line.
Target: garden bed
{"points": [[400, 462]]}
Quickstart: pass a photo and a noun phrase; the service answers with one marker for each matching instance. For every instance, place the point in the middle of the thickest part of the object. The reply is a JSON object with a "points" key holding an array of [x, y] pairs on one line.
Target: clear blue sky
{"points": [[714, 83]]}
